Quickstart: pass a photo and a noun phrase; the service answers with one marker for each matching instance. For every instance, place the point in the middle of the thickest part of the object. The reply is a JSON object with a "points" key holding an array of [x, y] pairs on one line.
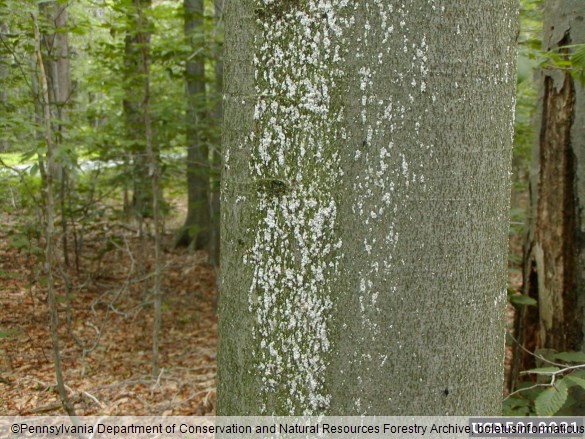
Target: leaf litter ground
{"points": [[106, 351]]}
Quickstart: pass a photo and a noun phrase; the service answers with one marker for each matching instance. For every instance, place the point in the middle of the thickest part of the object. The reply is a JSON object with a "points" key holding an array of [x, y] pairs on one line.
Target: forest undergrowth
{"points": [[106, 349]]}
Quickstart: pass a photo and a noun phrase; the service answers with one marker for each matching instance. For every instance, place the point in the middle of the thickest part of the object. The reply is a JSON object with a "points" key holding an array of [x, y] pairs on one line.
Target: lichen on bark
{"points": [[295, 164]]}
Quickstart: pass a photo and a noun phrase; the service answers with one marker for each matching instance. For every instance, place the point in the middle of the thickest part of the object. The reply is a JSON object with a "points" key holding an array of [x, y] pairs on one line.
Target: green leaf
{"points": [[516, 406], [34, 169], [580, 373], [570, 357], [551, 400], [524, 66], [578, 62], [578, 56], [575, 380], [543, 370], [527, 391], [522, 299], [7, 333]]}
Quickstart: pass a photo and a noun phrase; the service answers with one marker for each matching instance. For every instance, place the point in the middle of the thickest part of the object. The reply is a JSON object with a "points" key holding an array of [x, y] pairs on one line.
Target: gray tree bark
{"points": [[215, 204], [3, 75], [196, 229], [554, 253], [365, 191], [56, 47], [50, 263], [137, 33], [55, 44]]}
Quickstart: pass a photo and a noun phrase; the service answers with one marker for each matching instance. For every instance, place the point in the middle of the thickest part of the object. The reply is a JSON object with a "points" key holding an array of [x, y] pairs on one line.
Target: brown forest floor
{"points": [[114, 377]]}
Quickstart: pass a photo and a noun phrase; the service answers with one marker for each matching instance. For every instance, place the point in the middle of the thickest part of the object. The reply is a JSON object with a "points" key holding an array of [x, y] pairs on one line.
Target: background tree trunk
{"points": [[3, 74], [214, 242], [365, 188], [137, 31], [55, 44], [197, 224], [56, 47], [554, 251], [50, 262]]}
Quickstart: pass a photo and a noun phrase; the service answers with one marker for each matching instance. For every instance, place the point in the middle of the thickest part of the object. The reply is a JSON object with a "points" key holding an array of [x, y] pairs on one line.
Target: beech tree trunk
{"points": [[3, 74], [49, 205], [137, 33], [365, 191], [55, 45], [215, 205], [554, 252], [196, 229]]}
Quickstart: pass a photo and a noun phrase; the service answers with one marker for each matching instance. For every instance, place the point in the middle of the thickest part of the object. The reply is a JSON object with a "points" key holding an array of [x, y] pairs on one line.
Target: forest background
{"points": [[110, 148]]}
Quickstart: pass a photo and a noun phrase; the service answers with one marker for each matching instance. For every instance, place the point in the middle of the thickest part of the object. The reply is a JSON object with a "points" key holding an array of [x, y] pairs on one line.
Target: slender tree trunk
{"points": [[55, 43], [49, 211], [365, 189], [554, 251], [218, 7], [154, 175], [196, 229], [38, 113], [3, 95], [137, 33]]}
